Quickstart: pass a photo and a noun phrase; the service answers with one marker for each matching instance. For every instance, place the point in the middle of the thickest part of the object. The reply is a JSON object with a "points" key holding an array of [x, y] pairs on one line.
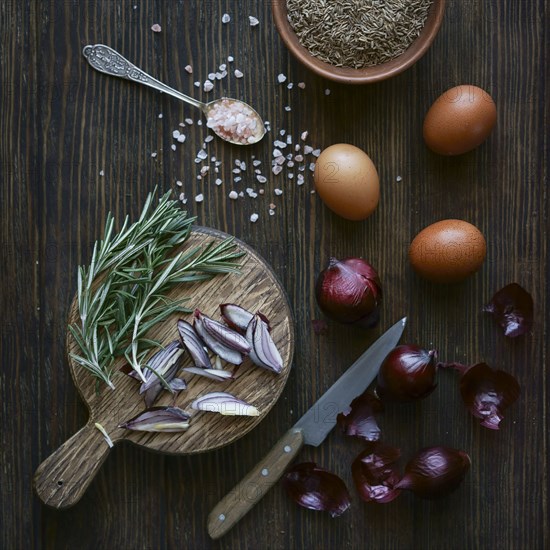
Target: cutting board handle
{"points": [[61, 480]]}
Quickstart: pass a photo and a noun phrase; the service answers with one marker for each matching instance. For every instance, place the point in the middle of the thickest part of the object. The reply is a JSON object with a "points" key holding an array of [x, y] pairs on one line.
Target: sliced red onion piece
{"points": [[223, 334], [236, 316], [375, 474], [227, 354], [359, 420], [212, 395], [162, 363], [158, 361], [264, 319], [214, 374], [253, 355], [225, 404], [435, 472], [178, 384], [166, 363], [264, 353], [316, 489], [254, 358], [159, 419], [193, 344], [488, 392], [153, 391], [512, 308], [239, 318]]}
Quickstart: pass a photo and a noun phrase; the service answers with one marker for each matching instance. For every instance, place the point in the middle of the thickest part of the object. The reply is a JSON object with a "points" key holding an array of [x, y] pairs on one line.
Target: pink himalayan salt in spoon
{"points": [[230, 119]]}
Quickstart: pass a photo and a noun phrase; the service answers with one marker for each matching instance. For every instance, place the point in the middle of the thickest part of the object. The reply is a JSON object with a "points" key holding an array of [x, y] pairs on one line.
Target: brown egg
{"points": [[347, 181], [459, 120], [448, 251]]}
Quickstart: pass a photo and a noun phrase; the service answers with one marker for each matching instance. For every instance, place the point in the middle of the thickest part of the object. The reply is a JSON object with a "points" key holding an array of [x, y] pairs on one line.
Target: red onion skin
{"points": [[512, 308], [407, 373], [487, 392], [349, 291], [375, 474], [435, 472], [316, 488], [360, 421]]}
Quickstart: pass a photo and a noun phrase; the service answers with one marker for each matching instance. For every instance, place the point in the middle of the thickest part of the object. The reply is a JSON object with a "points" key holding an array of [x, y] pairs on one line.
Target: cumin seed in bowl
{"points": [[358, 41]]}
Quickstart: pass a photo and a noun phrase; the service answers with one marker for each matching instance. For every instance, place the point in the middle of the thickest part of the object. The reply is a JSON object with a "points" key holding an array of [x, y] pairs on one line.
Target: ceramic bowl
{"points": [[368, 74]]}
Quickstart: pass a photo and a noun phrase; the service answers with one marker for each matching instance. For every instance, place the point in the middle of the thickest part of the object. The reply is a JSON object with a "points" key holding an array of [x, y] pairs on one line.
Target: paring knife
{"points": [[311, 429]]}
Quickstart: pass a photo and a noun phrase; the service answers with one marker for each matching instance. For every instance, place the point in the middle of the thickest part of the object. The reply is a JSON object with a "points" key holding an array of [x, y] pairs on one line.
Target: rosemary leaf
{"points": [[122, 294]]}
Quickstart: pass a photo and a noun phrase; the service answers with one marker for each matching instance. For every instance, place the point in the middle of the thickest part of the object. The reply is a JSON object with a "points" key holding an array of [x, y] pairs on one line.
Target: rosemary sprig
{"points": [[122, 293]]}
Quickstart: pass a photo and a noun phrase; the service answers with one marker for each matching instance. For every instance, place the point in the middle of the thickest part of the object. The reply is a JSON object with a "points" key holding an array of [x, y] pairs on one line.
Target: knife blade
{"points": [[311, 429]]}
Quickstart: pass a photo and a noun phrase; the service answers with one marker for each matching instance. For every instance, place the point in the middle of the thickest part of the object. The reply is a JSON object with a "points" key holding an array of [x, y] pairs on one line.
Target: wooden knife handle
{"points": [[63, 477], [255, 485]]}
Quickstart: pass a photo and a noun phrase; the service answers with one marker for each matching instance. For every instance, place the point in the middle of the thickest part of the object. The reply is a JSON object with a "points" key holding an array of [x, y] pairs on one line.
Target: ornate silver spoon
{"points": [[230, 119]]}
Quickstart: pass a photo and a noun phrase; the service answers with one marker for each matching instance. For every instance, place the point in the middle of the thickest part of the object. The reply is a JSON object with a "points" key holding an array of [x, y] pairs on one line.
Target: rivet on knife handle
{"points": [[255, 485]]}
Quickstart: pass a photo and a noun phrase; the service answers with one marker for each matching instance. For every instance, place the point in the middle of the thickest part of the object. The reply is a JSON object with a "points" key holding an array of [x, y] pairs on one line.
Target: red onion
{"points": [[435, 472], [159, 419], [375, 474], [316, 488], [407, 373], [486, 391], [224, 403], [226, 336], [177, 384], [236, 316], [193, 345], [264, 352], [227, 354], [349, 291], [165, 363], [359, 421], [159, 373], [214, 374], [239, 318], [512, 307]]}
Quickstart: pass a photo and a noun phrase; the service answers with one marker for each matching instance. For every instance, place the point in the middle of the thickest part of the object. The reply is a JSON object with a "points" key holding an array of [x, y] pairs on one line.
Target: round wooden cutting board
{"points": [[62, 478]]}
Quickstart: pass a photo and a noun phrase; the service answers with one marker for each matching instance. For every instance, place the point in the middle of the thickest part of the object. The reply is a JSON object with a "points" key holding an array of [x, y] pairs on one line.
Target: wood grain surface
{"points": [[75, 144]]}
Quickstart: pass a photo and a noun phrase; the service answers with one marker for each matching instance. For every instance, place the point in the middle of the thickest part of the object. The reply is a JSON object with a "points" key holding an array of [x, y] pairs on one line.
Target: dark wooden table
{"points": [[75, 144]]}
